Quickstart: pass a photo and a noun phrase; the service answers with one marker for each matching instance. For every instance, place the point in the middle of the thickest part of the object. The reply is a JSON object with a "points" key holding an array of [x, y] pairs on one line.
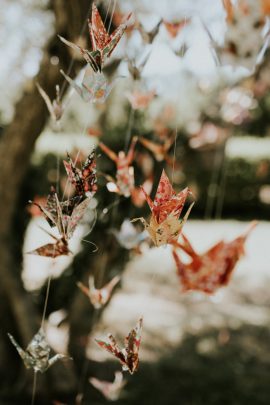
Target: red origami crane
{"points": [[164, 226], [129, 355], [103, 43], [84, 180], [124, 183], [99, 297], [213, 269]]}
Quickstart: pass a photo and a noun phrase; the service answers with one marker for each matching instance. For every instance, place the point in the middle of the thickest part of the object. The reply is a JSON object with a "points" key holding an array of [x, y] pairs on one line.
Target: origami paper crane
{"points": [[129, 355], [99, 296], [247, 37], [135, 69], [37, 353], [148, 36], [173, 28], [140, 100], [213, 269], [65, 216], [209, 136], [94, 87], [84, 180], [55, 107], [160, 151], [165, 226], [110, 390], [103, 44], [128, 236], [161, 123], [124, 182]]}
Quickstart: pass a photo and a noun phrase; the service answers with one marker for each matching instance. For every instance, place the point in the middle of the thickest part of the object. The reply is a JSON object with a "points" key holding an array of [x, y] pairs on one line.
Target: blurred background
{"points": [[191, 79]]}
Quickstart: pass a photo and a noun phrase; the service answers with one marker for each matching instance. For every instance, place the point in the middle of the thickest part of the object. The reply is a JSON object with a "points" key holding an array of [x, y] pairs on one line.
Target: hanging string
{"points": [[222, 185], [107, 12], [176, 129], [174, 153], [113, 10], [84, 372], [46, 301], [129, 127], [34, 388], [212, 187], [107, 209], [67, 183], [71, 63]]}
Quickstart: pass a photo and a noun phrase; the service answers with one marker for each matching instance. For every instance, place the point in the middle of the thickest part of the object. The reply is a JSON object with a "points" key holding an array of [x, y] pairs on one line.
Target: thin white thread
{"points": [[34, 388]]}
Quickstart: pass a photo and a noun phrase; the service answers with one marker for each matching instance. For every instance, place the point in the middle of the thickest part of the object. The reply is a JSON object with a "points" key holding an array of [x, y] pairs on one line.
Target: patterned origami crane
{"points": [[124, 183], [213, 269], [110, 390], [65, 216], [37, 353], [84, 180], [129, 355], [164, 226], [103, 43], [99, 296]]}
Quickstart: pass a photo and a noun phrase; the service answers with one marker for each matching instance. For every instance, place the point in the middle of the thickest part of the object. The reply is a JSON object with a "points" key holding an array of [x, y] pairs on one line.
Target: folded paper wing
{"points": [[52, 250]]}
